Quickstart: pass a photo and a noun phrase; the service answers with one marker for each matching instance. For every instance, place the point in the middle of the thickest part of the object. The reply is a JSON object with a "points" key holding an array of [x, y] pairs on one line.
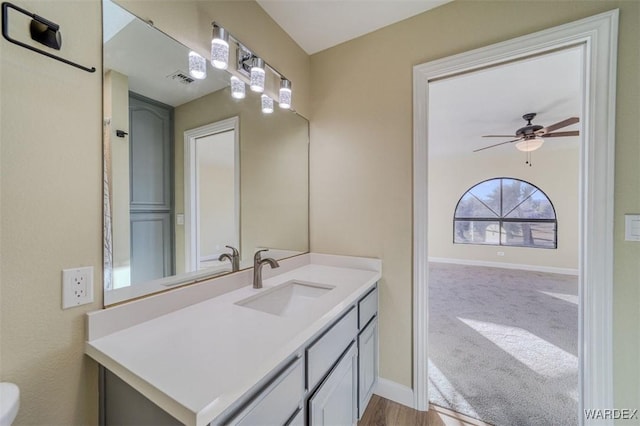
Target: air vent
{"points": [[181, 77]]}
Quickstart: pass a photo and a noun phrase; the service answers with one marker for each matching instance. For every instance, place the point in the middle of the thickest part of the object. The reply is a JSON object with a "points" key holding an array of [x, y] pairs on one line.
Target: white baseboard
{"points": [[536, 268], [395, 392]]}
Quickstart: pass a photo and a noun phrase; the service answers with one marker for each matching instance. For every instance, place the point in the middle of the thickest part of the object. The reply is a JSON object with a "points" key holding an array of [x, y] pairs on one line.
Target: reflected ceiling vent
{"points": [[181, 77]]}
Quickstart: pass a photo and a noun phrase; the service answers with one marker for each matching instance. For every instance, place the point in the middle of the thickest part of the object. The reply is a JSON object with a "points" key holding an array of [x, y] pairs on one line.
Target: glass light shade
{"points": [[529, 145], [237, 88], [257, 75], [197, 66], [285, 94], [267, 104], [220, 48]]}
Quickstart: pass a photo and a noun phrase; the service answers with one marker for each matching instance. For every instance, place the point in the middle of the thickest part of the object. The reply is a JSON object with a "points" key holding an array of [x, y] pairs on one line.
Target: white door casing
{"points": [[597, 36]]}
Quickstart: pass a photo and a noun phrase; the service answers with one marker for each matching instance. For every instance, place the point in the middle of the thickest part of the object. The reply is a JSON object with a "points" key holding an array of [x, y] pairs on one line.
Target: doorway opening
{"points": [[503, 286], [596, 37]]}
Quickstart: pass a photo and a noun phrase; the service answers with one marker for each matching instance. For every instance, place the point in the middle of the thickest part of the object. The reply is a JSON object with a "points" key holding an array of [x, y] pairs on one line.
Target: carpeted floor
{"points": [[503, 344]]}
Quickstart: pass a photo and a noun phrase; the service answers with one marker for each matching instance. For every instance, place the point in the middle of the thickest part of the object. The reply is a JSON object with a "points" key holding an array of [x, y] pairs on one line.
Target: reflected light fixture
{"points": [[285, 94], [530, 144], [220, 48], [267, 104], [257, 75], [237, 88], [197, 66]]}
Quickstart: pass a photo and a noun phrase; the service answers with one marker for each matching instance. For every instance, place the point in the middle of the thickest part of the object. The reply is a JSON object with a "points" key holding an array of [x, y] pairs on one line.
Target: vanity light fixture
{"points": [[250, 69], [285, 93], [267, 104], [197, 66], [220, 47], [237, 88], [257, 75]]}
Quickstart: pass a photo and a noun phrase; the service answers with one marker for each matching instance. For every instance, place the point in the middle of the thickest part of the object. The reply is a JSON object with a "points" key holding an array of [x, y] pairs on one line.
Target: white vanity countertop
{"points": [[195, 362]]}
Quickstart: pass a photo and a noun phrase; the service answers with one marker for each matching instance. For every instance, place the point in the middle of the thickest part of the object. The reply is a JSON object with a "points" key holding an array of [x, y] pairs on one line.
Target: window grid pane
{"points": [[527, 217]]}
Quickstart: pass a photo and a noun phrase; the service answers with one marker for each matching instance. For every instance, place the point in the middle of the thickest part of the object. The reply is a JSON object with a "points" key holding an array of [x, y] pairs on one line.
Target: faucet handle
{"points": [[234, 251], [258, 257]]}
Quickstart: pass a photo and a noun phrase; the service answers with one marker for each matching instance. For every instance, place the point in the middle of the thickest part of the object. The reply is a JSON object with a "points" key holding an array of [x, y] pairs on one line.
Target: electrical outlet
{"points": [[500, 253], [77, 287]]}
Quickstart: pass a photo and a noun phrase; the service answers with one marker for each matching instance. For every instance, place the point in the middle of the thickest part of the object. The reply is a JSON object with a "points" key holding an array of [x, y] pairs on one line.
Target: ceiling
{"points": [[492, 101], [320, 24]]}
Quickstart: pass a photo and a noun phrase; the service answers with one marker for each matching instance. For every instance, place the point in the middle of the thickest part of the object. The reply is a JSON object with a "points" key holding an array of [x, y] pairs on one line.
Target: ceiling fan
{"points": [[530, 137]]}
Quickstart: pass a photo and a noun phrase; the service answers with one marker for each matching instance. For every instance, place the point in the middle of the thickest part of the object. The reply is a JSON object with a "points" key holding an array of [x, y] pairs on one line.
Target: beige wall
{"points": [[361, 155], [555, 172], [51, 213], [51, 187]]}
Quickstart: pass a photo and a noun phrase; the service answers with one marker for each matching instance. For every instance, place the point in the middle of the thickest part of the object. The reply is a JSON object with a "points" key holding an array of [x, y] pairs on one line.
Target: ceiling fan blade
{"points": [[499, 136], [561, 134], [498, 144], [559, 125]]}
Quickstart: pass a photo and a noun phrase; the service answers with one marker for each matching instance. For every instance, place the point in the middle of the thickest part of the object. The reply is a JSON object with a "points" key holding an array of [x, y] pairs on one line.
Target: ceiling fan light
{"points": [[528, 145]]}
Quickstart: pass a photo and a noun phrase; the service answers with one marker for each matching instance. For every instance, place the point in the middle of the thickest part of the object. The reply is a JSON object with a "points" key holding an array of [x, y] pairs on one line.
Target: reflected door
{"points": [[151, 200], [216, 192]]}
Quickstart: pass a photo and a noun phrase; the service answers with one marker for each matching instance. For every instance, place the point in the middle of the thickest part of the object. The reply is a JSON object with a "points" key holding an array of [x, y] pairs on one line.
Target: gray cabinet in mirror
{"points": [[190, 170]]}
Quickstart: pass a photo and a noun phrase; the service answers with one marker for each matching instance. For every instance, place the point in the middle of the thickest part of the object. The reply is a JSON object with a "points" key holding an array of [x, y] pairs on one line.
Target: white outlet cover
{"points": [[77, 287]]}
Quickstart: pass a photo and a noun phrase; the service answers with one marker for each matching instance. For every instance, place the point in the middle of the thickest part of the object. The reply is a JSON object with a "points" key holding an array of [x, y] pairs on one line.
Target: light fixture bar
{"points": [[252, 69]]}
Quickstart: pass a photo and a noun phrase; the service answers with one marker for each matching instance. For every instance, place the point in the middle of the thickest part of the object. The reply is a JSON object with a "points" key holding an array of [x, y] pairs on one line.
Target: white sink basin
{"points": [[286, 299]]}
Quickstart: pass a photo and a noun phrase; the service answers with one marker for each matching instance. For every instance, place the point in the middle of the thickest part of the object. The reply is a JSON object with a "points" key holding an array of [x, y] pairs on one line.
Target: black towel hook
{"points": [[42, 30]]}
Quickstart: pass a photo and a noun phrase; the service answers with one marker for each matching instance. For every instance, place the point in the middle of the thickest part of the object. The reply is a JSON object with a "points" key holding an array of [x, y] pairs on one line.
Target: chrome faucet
{"points": [[258, 263], [234, 258]]}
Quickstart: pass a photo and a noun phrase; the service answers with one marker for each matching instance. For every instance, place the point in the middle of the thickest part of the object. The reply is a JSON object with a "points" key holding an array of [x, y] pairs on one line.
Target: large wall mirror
{"points": [[189, 170]]}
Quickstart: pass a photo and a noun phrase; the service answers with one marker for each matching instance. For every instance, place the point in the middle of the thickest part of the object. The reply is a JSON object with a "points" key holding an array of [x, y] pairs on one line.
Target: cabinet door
{"points": [[367, 364], [276, 404], [335, 401]]}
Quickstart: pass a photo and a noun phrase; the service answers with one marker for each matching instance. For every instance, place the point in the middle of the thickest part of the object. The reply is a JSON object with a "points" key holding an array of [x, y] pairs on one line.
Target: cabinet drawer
{"points": [[277, 403], [367, 308], [325, 351]]}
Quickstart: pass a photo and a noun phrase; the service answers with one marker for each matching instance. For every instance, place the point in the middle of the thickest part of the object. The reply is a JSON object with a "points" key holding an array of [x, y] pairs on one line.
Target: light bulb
{"points": [[220, 48], [267, 104], [285, 94], [197, 66], [237, 88], [257, 75], [528, 145]]}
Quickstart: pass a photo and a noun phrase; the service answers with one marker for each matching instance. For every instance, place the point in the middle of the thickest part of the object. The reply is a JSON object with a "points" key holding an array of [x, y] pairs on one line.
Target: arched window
{"points": [[505, 212]]}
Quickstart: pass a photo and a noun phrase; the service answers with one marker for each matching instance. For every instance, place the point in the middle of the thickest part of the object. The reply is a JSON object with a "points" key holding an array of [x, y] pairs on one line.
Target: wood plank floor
{"points": [[382, 412]]}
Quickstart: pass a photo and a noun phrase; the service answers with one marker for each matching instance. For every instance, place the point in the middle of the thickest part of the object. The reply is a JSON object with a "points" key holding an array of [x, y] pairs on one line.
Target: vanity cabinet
{"points": [[327, 381]]}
